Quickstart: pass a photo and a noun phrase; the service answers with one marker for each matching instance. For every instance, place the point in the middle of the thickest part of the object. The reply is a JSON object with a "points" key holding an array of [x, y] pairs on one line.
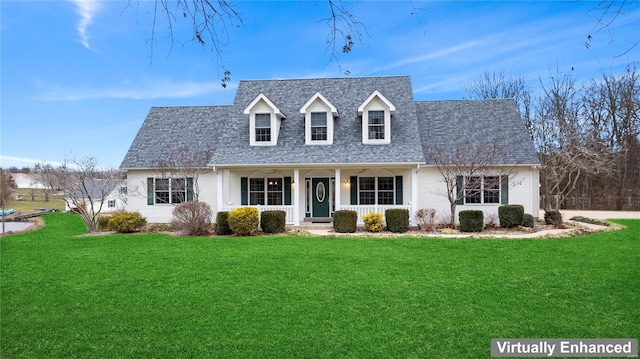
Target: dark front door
{"points": [[320, 197]]}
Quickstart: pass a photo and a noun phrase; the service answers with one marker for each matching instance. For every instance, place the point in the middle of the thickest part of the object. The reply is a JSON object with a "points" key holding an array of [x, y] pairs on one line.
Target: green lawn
{"points": [[26, 205], [156, 296]]}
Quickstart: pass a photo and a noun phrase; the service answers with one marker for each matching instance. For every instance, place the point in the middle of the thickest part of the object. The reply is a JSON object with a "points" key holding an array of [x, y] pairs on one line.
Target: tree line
{"points": [[587, 135]]}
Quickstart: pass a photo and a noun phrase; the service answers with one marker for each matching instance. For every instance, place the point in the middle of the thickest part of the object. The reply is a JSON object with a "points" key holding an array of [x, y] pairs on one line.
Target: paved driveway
{"points": [[566, 214]]}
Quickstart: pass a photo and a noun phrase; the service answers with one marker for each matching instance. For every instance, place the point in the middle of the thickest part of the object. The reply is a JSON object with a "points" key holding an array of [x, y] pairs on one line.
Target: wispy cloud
{"points": [[141, 91], [86, 9], [9, 161]]}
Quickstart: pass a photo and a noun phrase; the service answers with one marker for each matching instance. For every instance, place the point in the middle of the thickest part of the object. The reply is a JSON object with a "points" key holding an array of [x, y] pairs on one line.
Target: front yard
{"points": [[158, 296]]}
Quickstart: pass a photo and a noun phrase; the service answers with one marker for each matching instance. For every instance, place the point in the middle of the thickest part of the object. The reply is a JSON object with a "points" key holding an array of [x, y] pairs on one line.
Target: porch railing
{"points": [[287, 209]]}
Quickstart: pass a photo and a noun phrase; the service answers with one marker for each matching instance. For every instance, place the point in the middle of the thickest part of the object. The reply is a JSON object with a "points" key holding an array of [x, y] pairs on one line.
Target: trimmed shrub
{"points": [[243, 221], [397, 220], [127, 222], [193, 217], [471, 220], [553, 217], [510, 215], [222, 224], [273, 221], [373, 222], [103, 223], [345, 221], [527, 220]]}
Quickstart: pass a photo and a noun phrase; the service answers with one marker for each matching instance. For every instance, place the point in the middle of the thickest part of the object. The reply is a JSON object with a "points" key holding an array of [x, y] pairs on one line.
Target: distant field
{"points": [[27, 205]]}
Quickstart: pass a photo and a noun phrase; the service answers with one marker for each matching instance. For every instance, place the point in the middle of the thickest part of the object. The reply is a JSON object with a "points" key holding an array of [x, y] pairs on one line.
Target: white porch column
{"points": [[219, 192], [338, 189], [414, 194], [296, 197]]}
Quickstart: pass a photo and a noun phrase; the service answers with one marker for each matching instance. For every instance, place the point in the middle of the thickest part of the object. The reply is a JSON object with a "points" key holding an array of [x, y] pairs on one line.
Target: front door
{"points": [[320, 197]]}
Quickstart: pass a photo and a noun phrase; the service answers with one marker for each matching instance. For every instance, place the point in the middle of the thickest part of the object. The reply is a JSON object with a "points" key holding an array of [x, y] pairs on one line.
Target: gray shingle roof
{"points": [[225, 129], [460, 124]]}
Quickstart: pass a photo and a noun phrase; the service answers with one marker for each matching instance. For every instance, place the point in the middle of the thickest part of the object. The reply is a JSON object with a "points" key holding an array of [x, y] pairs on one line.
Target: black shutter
{"points": [[399, 199], [244, 191], [150, 194], [504, 190], [354, 189], [287, 191], [459, 185], [189, 189]]}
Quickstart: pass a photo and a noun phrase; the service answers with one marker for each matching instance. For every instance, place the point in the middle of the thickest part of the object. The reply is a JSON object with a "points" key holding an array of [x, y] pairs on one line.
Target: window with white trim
{"points": [[318, 126], [170, 190], [482, 190], [263, 127], [266, 191], [376, 125], [111, 203], [376, 190]]}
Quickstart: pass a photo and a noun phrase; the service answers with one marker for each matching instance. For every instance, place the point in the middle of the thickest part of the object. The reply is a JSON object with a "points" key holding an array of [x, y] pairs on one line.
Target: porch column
{"points": [[219, 192], [414, 194], [337, 189], [296, 197]]}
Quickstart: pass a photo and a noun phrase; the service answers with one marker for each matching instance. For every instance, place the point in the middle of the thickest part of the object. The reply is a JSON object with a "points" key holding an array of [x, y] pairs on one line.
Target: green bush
{"points": [[222, 224], [527, 220], [193, 217], [510, 215], [553, 217], [127, 222], [273, 221], [397, 220], [243, 221], [345, 221], [471, 220], [373, 222], [103, 223]]}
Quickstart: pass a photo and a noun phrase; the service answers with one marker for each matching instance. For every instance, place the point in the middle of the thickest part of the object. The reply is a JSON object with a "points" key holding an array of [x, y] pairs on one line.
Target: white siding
{"points": [[162, 213]]}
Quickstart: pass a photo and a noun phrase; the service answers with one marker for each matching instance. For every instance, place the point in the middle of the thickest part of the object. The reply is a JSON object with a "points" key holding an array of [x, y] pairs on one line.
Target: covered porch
{"points": [[314, 194]]}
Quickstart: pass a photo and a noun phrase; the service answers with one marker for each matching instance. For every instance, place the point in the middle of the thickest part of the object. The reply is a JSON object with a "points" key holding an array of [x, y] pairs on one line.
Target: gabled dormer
{"points": [[319, 115], [264, 121], [376, 113]]}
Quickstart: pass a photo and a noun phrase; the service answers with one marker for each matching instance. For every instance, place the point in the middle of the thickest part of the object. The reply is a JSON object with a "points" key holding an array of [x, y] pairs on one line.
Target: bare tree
{"points": [[498, 85], [185, 162], [83, 186], [562, 144], [465, 170], [7, 187]]}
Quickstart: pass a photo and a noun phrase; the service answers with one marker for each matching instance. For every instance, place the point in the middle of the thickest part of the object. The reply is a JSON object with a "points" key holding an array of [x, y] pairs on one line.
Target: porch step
{"points": [[316, 226], [318, 220]]}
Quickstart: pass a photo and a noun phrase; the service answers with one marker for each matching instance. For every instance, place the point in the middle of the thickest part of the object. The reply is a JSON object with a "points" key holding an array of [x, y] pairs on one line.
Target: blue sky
{"points": [[77, 78]]}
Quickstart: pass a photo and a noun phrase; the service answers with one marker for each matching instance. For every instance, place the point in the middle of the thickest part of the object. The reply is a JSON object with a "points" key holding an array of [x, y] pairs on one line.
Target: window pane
{"points": [[256, 191], [385, 183], [491, 189], [376, 117], [274, 191], [263, 134], [367, 197], [318, 133], [263, 120], [162, 184], [473, 193], [162, 190], [367, 183], [319, 119]]}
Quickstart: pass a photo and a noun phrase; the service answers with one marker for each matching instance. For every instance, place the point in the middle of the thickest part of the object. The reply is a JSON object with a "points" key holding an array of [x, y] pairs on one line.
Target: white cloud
{"points": [[86, 9], [147, 90], [11, 161]]}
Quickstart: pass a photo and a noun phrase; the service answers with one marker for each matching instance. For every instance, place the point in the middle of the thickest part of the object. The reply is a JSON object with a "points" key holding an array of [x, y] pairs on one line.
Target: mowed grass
{"points": [[26, 205], [157, 296]]}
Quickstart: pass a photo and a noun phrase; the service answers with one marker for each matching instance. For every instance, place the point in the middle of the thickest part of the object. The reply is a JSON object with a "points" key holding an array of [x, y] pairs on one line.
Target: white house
{"points": [[27, 180], [311, 147], [107, 196]]}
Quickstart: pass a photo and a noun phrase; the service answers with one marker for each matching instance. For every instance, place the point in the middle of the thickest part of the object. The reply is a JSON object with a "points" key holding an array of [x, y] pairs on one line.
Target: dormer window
{"points": [[318, 126], [264, 121], [319, 115], [376, 113], [263, 127]]}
